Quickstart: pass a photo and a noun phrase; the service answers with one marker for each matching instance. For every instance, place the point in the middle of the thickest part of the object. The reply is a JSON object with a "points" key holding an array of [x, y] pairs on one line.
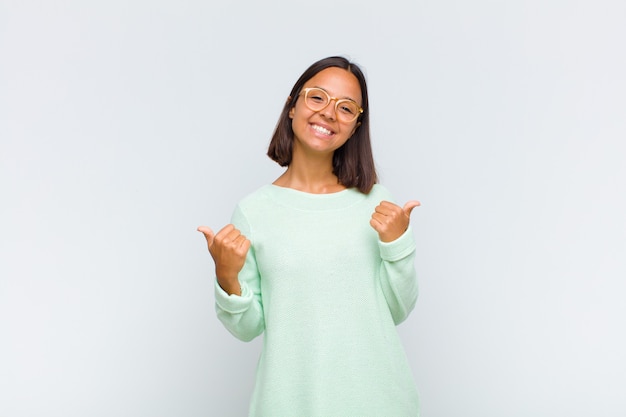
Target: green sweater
{"points": [[327, 294]]}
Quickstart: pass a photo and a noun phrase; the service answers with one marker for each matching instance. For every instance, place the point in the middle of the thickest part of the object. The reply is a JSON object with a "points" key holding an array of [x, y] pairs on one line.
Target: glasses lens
{"points": [[347, 110], [316, 99]]}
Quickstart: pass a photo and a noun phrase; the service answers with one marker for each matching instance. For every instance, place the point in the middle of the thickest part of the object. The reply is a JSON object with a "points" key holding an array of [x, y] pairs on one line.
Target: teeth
{"points": [[322, 130]]}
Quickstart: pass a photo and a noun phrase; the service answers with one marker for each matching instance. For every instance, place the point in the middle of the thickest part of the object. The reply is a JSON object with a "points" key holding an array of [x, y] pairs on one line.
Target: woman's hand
{"points": [[228, 248], [391, 220]]}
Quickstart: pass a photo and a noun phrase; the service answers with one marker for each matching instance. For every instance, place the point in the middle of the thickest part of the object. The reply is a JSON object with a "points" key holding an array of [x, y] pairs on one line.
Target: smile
{"points": [[321, 130]]}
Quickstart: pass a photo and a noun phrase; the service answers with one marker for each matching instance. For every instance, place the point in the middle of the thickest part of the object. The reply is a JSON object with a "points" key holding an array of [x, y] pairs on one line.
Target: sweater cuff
{"points": [[233, 303], [399, 248]]}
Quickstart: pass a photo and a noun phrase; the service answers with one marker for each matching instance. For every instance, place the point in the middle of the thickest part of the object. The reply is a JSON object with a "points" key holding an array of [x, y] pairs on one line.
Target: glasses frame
{"points": [[305, 91]]}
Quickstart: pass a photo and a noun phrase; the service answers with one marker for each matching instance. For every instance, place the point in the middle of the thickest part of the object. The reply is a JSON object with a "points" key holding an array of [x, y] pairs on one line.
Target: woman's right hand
{"points": [[229, 249]]}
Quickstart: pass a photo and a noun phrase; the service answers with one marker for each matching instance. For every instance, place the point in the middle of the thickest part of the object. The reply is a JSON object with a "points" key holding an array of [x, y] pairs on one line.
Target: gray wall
{"points": [[124, 125]]}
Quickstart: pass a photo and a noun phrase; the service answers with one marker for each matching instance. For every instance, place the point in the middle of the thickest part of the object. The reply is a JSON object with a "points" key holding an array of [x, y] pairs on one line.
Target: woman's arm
{"points": [[397, 251], [398, 278], [237, 286], [242, 314]]}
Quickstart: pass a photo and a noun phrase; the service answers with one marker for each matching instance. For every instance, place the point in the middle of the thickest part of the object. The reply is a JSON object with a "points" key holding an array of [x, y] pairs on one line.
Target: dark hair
{"points": [[353, 163]]}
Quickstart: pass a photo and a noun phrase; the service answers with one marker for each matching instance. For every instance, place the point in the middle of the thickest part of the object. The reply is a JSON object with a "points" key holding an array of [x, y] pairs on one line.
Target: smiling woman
{"points": [[318, 129], [322, 262], [352, 164]]}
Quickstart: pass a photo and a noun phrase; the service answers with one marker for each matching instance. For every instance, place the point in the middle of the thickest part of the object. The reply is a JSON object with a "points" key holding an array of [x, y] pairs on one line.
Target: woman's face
{"points": [[322, 131]]}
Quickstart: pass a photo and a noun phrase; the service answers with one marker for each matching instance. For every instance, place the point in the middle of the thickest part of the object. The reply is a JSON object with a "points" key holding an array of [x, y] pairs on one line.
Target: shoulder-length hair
{"points": [[353, 163]]}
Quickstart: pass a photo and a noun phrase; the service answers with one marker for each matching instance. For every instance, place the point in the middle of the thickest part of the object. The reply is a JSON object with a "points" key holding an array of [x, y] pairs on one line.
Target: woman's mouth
{"points": [[321, 129]]}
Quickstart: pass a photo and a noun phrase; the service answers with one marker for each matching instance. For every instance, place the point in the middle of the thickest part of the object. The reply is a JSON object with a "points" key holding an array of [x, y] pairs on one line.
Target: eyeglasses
{"points": [[317, 99]]}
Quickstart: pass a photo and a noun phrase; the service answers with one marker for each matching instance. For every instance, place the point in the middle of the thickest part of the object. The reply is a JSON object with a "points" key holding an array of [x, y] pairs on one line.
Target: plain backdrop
{"points": [[124, 125]]}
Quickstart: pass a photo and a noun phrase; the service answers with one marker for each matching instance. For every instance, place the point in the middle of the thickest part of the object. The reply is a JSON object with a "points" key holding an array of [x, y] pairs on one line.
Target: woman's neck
{"points": [[311, 175]]}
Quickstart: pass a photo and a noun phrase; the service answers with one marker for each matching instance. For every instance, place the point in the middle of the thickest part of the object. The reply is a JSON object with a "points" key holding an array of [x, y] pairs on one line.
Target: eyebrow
{"points": [[340, 98]]}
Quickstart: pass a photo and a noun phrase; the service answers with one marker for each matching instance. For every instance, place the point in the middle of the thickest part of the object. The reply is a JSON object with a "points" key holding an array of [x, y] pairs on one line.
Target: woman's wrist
{"points": [[230, 285]]}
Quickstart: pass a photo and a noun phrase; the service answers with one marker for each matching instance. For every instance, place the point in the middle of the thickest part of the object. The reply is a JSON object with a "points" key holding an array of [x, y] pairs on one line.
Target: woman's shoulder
{"points": [[251, 206], [380, 192], [256, 197]]}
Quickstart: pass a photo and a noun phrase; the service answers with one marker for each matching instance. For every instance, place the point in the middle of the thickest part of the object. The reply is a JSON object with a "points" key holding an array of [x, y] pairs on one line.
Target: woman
{"points": [[321, 262]]}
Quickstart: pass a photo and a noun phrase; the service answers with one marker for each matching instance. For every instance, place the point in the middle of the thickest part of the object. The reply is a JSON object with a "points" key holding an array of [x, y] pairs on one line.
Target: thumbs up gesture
{"points": [[391, 220], [228, 248]]}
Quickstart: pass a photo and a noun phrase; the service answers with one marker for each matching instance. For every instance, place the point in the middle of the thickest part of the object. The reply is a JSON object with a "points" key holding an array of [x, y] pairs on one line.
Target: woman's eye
{"points": [[347, 109]]}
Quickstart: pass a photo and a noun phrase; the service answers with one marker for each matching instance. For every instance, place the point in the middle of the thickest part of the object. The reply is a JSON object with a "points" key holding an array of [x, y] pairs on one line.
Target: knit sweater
{"points": [[327, 294]]}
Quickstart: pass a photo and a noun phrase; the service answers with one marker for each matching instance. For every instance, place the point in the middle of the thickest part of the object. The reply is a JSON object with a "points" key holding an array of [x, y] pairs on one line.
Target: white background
{"points": [[126, 124]]}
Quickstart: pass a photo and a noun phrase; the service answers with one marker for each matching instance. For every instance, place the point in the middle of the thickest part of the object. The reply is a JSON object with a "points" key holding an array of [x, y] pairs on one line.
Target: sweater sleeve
{"points": [[398, 277], [242, 315]]}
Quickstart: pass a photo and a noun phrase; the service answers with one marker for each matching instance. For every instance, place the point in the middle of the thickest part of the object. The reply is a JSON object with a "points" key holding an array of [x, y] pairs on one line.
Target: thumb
{"points": [[409, 206], [208, 234]]}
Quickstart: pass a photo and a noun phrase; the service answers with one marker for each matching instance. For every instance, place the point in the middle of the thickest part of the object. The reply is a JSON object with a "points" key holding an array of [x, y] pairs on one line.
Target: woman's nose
{"points": [[329, 111]]}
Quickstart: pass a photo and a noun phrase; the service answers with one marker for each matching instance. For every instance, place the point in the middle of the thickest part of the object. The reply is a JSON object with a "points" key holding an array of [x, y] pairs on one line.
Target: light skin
{"points": [[316, 137]]}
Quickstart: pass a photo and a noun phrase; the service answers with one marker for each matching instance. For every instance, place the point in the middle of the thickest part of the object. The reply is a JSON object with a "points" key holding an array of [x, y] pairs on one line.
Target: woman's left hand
{"points": [[391, 220]]}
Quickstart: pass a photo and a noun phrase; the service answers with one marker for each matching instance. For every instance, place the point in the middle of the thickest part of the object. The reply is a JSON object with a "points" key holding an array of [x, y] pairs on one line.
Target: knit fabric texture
{"points": [[326, 294]]}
